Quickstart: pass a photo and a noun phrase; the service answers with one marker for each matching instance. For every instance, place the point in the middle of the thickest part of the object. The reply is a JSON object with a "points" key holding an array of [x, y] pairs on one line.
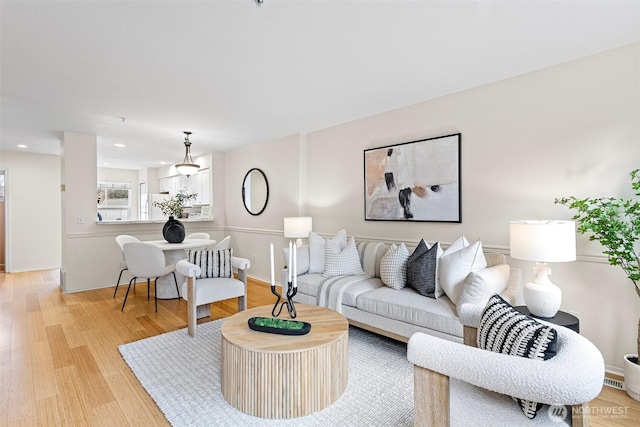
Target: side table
{"points": [[561, 318]]}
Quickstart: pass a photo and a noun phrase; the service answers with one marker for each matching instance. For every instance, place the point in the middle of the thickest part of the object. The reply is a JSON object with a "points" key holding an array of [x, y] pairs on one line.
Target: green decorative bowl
{"points": [[273, 325]]}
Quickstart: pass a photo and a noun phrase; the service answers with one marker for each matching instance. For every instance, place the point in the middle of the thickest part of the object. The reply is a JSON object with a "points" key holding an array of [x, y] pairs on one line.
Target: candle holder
{"points": [[291, 292]]}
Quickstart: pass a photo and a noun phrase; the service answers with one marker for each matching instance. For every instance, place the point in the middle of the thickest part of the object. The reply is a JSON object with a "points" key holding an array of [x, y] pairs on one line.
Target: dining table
{"points": [[174, 252]]}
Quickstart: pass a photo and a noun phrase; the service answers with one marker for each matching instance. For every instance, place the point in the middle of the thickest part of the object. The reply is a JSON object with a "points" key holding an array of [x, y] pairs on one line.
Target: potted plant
{"points": [[615, 224], [173, 230]]}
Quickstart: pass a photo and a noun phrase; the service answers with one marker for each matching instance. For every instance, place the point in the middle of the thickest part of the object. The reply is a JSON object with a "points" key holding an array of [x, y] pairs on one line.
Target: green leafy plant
{"points": [[273, 322], [615, 224], [175, 205]]}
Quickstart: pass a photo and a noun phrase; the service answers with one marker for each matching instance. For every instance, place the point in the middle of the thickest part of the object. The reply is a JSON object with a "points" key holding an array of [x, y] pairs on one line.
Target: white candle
{"points": [[289, 266], [273, 272], [295, 265]]}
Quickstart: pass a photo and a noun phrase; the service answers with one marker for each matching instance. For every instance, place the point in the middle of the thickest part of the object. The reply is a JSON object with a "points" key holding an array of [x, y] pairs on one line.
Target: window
{"points": [[114, 201]]}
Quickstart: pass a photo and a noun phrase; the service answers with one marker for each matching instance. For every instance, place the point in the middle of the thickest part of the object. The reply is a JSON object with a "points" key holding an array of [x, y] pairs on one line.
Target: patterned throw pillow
{"points": [[212, 263], [503, 329], [342, 262], [393, 266], [422, 269], [317, 249]]}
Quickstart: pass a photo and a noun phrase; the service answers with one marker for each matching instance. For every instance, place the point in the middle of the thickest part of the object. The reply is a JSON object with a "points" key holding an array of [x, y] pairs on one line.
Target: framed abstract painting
{"points": [[414, 181]]}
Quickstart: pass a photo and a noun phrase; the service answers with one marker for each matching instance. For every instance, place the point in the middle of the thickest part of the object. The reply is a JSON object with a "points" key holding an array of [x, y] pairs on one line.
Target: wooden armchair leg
{"points": [[580, 415], [431, 398], [192, 321]]}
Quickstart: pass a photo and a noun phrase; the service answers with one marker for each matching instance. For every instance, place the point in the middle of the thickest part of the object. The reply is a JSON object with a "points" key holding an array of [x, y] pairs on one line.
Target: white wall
{"points": [[571, 129], [251, 235], [33, 203]]}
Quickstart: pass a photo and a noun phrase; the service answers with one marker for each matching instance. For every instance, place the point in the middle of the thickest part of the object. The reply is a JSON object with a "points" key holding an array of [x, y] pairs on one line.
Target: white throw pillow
{"points": [[316, 249], [454, 268], [480, 285], [342, 262], [393, 266], [302, 259]]}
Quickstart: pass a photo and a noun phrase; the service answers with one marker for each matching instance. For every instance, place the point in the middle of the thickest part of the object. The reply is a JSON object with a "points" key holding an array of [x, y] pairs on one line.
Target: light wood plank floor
{"points": [[60, 365]]}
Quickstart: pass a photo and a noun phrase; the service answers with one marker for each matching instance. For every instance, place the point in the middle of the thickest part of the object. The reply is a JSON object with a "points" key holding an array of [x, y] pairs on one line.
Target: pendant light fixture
{"points": [[187, 167]]}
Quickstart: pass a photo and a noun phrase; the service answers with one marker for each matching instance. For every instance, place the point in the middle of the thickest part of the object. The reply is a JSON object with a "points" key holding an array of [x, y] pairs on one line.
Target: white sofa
{"points": [[368, 303]]}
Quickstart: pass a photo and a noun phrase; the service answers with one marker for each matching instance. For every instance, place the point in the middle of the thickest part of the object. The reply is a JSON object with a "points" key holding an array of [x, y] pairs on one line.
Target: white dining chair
{"points": [[223, 244], [197, 236], [193, 236], [121, 240], [146, 261]]}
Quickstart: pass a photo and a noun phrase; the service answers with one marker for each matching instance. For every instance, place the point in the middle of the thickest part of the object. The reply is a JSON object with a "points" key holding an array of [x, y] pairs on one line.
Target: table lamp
{"points": [[543, 241], [297, 227]]}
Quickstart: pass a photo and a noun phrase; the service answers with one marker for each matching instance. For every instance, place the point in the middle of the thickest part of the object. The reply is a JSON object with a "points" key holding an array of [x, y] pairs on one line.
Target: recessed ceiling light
{"points": [[22, 146], [119, 145], [105, 164], [164, 163]]}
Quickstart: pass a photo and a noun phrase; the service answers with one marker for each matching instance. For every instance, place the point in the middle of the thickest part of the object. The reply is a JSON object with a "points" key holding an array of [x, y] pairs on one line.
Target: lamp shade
{"points": [[543, 241], [297, 226]]}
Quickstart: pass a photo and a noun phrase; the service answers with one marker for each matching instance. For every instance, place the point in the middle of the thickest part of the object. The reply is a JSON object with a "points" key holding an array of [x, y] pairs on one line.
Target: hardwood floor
{"points": [[60, 365]]}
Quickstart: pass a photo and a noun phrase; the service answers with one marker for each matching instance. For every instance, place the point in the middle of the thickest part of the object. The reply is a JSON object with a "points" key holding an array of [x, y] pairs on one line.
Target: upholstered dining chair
{"points": [[197, 236], [146, 261], [451, 378], [223, 244], [200, 291], [121, 240]]}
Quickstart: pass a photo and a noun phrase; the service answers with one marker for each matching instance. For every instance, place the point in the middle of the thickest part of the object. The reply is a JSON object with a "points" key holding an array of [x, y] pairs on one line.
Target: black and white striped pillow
{"points": [[212, 263], [503, 329]]}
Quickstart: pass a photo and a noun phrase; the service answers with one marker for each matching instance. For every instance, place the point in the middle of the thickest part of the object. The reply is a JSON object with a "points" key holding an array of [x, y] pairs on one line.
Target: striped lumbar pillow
{"points": [[503, 329], [212, 263]]}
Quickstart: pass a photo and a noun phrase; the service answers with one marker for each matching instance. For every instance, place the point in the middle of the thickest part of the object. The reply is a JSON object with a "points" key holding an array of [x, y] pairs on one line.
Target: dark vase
{"points": [[173, 231]]}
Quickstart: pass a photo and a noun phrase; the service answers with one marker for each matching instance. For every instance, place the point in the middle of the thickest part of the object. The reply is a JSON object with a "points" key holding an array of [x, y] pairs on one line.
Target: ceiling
{"points": [[139, 73]]}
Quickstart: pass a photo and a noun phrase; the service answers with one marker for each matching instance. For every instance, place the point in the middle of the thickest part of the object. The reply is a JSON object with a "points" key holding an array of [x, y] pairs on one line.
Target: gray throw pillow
{"points": [[421, 269]]}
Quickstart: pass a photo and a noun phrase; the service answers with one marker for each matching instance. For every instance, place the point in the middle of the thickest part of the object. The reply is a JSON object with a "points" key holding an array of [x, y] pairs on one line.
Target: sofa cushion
{"points": [[503, 329], [341, 262], [316, 249], [480, 285], [456, 265], [310, 284], [406, 305], [393, 266], [212, 263]]}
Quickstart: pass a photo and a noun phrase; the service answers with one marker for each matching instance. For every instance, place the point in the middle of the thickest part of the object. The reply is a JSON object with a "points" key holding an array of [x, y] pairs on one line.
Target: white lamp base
{"points": [[542, 297]]}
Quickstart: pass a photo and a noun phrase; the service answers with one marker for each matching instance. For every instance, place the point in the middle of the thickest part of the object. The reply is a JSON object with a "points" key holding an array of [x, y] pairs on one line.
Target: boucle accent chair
{"points": [[482, 379], [199, 290]]}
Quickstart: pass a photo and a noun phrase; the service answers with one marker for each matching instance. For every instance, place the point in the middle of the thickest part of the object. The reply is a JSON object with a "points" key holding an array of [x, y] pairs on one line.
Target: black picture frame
{"points": [[414, 181]]}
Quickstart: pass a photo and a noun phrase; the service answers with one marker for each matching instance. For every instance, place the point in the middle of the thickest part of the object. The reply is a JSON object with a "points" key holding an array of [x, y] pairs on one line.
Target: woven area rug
{"points": [[182, 375]]}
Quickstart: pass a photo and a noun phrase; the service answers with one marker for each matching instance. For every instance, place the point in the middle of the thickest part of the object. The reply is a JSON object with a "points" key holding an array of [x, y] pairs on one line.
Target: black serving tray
{"points": [[306, 327]]}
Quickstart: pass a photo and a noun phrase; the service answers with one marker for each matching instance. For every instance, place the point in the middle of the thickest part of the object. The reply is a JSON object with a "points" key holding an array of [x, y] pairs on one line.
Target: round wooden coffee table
{"points": [[284, 376]]}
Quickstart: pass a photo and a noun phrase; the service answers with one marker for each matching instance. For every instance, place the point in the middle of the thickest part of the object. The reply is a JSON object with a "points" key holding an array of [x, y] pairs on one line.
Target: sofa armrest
{"points": [[469, 314]]}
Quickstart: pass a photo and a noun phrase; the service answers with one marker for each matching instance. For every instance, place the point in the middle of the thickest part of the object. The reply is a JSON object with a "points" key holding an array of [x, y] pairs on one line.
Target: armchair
{"points": [[203, 291], [573, 377]]}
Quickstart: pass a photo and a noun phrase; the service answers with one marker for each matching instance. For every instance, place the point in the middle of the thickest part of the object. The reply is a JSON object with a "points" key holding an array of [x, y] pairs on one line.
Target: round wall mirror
{"points": [[255, 191]]}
